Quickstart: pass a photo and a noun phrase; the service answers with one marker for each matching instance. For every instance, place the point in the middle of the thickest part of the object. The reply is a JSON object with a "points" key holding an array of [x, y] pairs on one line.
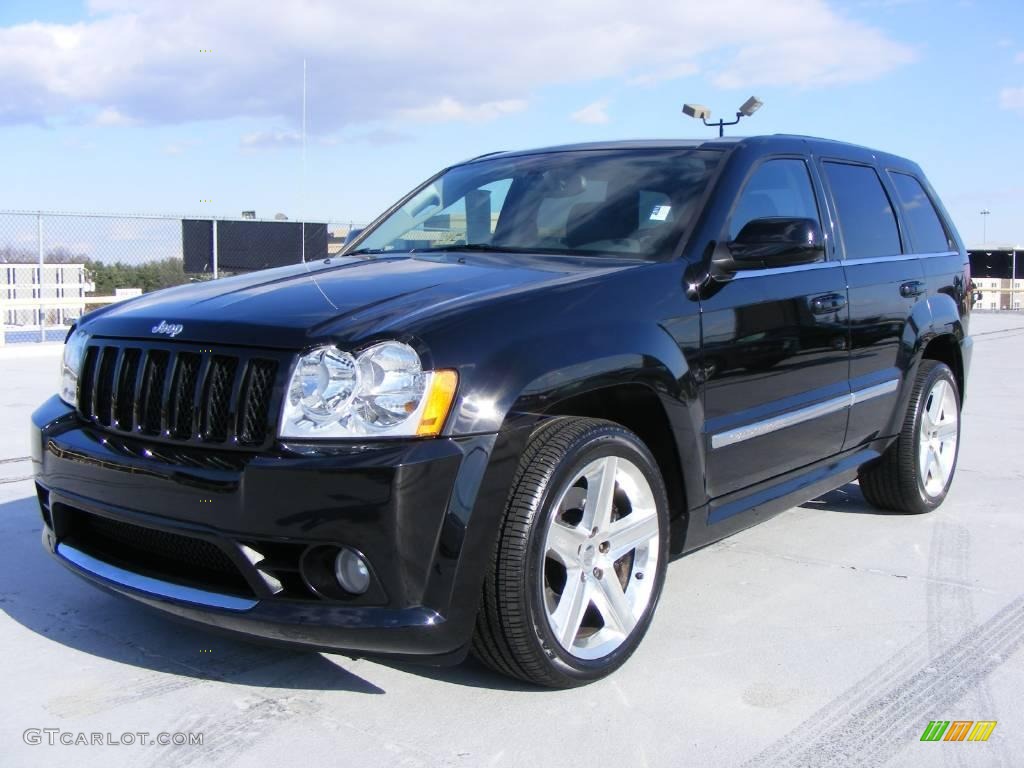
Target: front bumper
{"points": [[235, 540]]}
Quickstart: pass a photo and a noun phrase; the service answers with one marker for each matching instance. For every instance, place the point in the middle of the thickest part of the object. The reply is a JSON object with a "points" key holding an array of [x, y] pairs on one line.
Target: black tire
{"points": [[513, 635], [895, 480]]}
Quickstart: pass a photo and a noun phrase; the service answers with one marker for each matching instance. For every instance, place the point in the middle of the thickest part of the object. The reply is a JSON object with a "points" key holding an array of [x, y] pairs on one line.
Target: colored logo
{"points": [[958, 730]]}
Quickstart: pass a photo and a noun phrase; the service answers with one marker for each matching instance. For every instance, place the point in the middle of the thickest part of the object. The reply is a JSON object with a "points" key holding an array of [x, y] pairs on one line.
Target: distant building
{"points": [[997, 273], [337, 238], [21, 283], [998, 293]]}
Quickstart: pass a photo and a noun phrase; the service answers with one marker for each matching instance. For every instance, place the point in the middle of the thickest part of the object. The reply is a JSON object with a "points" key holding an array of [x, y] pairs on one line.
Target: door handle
{"points": [[830, 302], [911, 288]]}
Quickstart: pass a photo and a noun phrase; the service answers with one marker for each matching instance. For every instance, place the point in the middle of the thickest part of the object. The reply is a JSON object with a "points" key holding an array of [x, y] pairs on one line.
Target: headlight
{"points": [[71, 366], [384, 392]]}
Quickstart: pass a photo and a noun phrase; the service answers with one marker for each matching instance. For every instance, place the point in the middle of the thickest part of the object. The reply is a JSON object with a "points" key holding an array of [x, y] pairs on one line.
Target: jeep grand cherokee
{"points": [[487, 424]]}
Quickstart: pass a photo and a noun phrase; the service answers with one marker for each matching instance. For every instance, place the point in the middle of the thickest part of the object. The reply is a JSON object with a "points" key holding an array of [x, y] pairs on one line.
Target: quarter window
{"points": [[926, 230], [866, 218], [778, 189]]}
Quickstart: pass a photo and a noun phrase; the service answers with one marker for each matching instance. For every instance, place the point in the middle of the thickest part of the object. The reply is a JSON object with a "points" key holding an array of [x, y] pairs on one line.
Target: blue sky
{"points": [[114, 105]]}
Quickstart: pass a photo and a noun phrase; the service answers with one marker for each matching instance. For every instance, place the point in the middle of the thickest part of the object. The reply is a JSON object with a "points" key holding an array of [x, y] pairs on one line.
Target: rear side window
{"points": [[778, 188], [926, 230], [866, 218]]}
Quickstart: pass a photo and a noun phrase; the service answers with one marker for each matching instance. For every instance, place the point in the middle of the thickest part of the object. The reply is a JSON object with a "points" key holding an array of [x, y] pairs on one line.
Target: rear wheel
{"points": [[916, 471], [580, 559]]}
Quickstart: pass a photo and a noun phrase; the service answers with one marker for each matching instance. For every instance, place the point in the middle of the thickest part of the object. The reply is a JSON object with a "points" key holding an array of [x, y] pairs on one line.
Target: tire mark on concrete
{"points": [[166, 673], [950, 605], [950, 611], [826, 563], [255, 718], [861, 728], [94, 699], [841, 709], [228, 737]]}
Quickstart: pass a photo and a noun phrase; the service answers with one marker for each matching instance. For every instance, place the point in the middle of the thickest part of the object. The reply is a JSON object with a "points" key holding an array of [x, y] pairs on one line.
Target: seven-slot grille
{"points": [[186, 395]]}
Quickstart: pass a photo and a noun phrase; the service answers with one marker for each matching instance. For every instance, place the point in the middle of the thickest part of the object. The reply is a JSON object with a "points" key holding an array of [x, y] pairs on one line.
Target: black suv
{"points": [[491, 420]]}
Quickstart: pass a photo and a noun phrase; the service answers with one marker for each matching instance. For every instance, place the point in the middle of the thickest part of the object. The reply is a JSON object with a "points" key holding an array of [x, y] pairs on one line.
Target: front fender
{"points": [[533, 371]]}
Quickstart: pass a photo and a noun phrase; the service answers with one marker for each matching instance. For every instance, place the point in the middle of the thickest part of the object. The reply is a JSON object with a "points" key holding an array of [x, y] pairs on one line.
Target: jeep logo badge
{"points": [[169, 329]]}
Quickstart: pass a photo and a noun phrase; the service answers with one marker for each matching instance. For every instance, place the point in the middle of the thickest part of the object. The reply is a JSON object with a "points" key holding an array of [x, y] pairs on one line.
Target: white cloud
{"points": [[448, 109], [685, 69], [1019, 58], [445, 60], [77, 144], [593, 114], [887, 4], [381, 137], [176, 148], [1012, 99], [271, 139], [111, 116]]}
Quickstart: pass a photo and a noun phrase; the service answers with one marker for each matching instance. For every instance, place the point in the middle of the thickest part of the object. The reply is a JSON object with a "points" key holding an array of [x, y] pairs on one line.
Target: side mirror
{"points": [[776, 242]]}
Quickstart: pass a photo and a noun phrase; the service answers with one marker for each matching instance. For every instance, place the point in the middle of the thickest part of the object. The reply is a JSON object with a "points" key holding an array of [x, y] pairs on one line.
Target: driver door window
{"points": [[779, 188]]}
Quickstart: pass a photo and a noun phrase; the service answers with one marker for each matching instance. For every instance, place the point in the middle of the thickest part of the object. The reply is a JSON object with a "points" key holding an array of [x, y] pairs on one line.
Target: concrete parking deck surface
{"points": [[830, 635]]}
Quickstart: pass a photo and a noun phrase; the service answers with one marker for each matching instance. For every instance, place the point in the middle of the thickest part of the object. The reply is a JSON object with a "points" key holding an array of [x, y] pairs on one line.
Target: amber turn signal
{"points": [[439, 399]]}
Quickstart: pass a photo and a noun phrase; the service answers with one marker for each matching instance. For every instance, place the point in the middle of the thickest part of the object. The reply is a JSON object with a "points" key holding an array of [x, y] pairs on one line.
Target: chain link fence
{"points": [[56, 266]]}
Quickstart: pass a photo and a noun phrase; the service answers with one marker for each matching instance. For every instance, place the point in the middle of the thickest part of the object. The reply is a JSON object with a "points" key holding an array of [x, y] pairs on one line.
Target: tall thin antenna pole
{"points": [[303, 194]]}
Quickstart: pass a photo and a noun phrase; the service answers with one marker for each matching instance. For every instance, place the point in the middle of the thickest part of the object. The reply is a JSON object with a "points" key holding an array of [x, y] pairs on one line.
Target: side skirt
{"points": [[741, 509]]}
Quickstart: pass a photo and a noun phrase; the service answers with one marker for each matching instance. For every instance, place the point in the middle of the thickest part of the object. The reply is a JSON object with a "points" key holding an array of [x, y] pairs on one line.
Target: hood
{"points": [[293, 307]]}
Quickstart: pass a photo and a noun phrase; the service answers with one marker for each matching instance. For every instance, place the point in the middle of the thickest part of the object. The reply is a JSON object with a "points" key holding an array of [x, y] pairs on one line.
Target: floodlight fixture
{"points": [[700, 112], [750, 106]]}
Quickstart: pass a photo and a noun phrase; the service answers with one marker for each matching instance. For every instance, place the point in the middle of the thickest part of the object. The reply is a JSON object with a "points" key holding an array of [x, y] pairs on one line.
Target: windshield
{"points": [[632, 203]]}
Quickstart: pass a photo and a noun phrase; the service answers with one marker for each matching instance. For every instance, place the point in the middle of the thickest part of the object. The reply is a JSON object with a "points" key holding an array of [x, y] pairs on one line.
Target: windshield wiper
{"points": [[488, 248], [366, 252], [522, 249], [472, 247]]}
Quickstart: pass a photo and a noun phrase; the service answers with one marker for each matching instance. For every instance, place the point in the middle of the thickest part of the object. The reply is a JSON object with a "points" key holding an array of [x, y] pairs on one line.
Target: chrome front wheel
{"points": [[580, 558], [599, 556]]}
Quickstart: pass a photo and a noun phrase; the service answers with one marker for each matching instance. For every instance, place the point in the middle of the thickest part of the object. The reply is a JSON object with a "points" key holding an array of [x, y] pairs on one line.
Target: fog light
{"points": [[351, 572]]}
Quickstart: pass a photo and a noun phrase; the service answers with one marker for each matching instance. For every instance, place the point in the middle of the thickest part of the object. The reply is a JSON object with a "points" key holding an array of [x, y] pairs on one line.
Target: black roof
{"points": [[622, 144], [767, 142]]}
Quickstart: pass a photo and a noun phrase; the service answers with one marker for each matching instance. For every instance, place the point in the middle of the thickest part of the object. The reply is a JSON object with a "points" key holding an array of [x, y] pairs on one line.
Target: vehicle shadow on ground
{"points": [[470, 673], [847, 499], [43, 597], [48, 600]]}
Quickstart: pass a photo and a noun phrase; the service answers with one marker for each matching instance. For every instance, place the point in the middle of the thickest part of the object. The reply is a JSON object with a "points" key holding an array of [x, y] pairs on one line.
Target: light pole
{"points": [[700, 112], [984, 229]]}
